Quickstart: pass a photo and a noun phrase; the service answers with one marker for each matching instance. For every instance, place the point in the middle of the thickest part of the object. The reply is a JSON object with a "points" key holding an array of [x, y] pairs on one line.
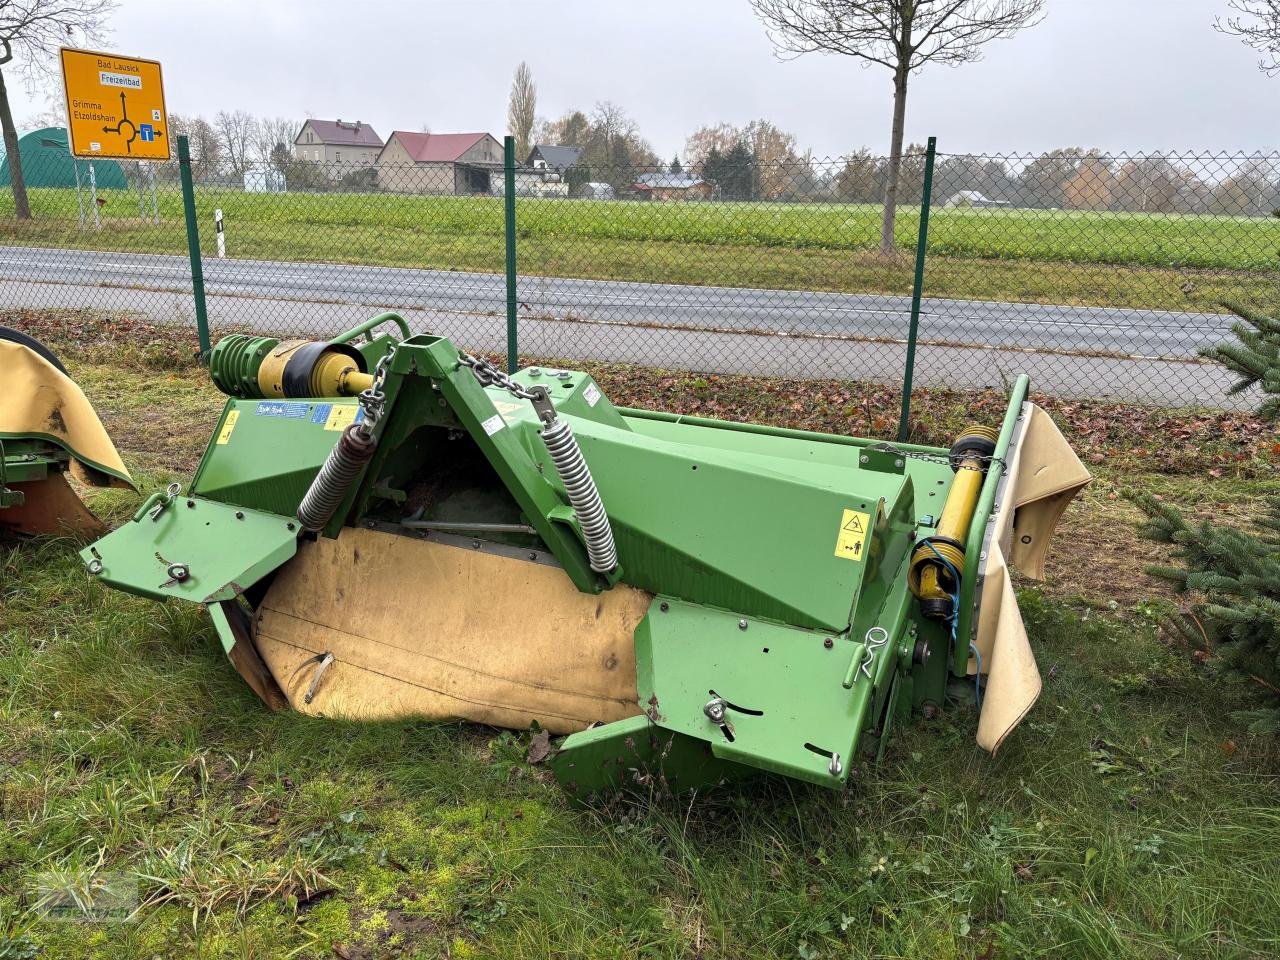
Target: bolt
{"points": [[191, 503], [864, 459], [239, 514], [443, 402], [897, 463], [475, 544], [290, 526], [742, 624], [828, 643], [714, 710], [834, 768], [533, 554], [664, 606]]}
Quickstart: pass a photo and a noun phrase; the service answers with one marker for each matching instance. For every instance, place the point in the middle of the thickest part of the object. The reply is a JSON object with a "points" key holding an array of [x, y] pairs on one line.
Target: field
{"points": [[1073, 257], [1128, 817]]}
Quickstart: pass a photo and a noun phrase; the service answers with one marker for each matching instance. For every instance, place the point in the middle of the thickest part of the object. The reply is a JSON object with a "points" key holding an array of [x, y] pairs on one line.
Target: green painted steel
{"points": [[983, 516], [234, 364], [509, 235], [778, 559], [193, 549], [373, 323], [264, 453], [917, 286], [193, 246], [26, 460]]}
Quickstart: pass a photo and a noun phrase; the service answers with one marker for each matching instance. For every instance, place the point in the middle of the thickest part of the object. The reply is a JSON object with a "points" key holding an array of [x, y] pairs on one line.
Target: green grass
{"points": [[1114, 259], [1128, 817]]}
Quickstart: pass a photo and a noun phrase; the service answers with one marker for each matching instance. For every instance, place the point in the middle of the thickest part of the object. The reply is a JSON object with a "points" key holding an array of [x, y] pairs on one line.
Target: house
{"points": [[451, 163], [341, 147], [972, 198], [546, 156], [672, 187]]}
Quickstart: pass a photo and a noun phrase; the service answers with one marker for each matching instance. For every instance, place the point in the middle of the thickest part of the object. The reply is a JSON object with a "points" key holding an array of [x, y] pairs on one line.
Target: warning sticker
{"points": [[342, 415], [228, 425], [493, 424], [506, 406], [853, 535], [591, 394]]}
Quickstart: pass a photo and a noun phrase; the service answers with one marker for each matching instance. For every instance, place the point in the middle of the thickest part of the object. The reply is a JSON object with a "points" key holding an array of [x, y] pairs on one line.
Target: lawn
{"points": [[1107, 259], [1128, 817]]}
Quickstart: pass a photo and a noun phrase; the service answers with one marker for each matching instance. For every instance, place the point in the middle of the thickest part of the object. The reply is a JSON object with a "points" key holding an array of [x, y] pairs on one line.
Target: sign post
{"points": [[115, 106]]}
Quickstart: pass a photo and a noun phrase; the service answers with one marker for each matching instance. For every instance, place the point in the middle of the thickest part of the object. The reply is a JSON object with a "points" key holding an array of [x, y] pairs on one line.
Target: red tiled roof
{"points": [[345, 134], [440, 147]]}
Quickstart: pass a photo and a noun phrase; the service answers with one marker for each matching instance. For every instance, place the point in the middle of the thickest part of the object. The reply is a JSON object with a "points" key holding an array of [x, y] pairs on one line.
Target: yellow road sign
{"points": [[115, 106]]}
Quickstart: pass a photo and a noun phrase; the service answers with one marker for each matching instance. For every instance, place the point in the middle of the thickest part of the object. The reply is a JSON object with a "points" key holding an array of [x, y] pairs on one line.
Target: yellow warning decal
{"points": [[341, 416], [506, 407], [853, 535], [227, 426]]}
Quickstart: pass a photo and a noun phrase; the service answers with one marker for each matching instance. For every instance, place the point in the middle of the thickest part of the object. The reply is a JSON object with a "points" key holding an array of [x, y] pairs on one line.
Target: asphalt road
{"points": [[1137, 354]]}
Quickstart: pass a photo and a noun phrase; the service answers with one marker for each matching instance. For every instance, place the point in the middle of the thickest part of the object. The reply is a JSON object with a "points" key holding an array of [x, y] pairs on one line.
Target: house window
{"points": [[316, 154], [337, 156]]}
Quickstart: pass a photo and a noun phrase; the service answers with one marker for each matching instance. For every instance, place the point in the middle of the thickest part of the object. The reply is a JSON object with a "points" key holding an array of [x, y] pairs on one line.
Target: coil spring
{"points": [[345, 461], [583, 495]]}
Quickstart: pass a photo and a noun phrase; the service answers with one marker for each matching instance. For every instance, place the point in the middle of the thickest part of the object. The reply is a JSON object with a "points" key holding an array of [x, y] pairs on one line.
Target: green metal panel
{"points": [[786, 702], [225, 549], [265, 453], [638, 754]]}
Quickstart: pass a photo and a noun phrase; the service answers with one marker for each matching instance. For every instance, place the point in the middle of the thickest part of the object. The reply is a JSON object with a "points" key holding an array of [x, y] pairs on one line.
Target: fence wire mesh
{"points": [[1100, 276]]}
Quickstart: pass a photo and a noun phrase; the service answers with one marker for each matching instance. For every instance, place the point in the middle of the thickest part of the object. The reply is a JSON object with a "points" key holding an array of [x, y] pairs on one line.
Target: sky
{"points": [[1123, 75]]}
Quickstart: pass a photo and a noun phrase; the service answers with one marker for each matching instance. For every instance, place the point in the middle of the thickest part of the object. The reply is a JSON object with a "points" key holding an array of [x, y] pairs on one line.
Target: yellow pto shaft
{"points": [[938, 561]]}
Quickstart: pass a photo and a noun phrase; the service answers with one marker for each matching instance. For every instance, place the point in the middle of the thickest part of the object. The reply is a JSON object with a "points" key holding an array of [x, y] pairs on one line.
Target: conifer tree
{"points": [[1235, 572]]}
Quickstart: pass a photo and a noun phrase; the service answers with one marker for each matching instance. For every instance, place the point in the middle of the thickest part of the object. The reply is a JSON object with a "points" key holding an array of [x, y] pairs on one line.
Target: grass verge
{"points": [[1127, 818]]}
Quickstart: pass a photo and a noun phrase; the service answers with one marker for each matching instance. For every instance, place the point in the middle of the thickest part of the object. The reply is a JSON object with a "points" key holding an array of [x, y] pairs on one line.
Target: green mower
{"points": [[385, 526]]}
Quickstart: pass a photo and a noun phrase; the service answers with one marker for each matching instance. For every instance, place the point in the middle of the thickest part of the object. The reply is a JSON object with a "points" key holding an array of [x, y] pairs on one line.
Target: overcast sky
{"points": [[1124, 75]]}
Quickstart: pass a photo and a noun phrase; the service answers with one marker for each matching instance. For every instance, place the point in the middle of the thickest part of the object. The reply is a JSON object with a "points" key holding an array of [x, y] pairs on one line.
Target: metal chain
{"points": [[489, 375], [374, 399], [987, 461]]}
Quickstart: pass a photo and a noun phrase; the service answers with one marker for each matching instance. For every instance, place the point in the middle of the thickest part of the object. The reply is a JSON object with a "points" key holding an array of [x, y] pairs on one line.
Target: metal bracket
{"points": [[882, 460]]}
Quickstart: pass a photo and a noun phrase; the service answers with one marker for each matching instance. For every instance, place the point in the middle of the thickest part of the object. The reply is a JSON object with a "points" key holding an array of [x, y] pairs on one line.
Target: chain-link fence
{"points": [[1098, 275]]}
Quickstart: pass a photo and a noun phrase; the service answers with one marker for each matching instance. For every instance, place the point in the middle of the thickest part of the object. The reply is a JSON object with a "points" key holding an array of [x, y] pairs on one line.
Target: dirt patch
{"points": [[402, 934]]}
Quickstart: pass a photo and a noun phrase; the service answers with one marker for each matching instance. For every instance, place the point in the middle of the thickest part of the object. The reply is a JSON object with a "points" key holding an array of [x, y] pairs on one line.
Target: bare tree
{"points": [[235, 131], [900, 35], [31, 31], [1256, 23], [272, 132], [206, 152], [522, 109]]}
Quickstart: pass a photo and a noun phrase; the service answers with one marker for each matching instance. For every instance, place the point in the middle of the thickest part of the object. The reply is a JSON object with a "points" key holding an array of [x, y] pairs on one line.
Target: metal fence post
{"points": [[193, 246], [917, 286], [509, 209]]}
